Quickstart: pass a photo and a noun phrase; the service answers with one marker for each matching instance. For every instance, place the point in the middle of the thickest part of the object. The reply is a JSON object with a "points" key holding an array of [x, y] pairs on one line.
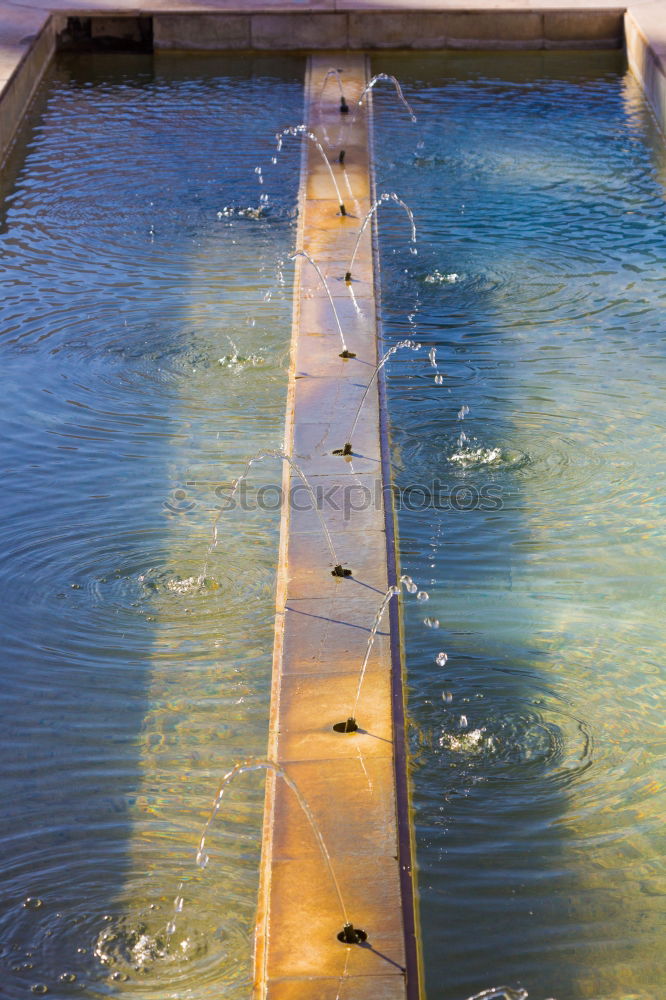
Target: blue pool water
{"points": [[144, 334], [537, 183], [144, 329]]}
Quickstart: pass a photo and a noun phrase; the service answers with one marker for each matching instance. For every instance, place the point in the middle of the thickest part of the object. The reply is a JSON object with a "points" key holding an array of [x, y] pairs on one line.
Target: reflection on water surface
{"points": [[537, 184], [145, 323]]}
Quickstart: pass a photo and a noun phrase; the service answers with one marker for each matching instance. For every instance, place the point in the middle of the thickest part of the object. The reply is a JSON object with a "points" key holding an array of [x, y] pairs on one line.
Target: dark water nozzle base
{"points": [[344, 107], [348, 277], [340, 570], [343, 210], [347, 450], [341, 157], [347, 354], [352, 935], [350, 726]]}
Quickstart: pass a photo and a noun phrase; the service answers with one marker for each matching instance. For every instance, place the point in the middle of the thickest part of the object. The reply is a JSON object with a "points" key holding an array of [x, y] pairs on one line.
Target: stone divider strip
{"points": [[323, 621]]}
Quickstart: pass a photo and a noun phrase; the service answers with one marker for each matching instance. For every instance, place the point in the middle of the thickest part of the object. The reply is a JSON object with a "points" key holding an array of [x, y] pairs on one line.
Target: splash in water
{"points": [[475, 456], [437, 278]]}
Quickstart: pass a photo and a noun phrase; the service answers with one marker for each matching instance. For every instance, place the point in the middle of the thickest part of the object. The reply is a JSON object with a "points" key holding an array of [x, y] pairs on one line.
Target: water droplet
{"points": [[171, 927], [423, 595], [32, 903], [447, 697], [273, 159], [202, 859], [67, 977], [439, 379], [441, 659], [462, 412], [462, 722], [39, 988], [411, 588], [431, 622], [178, 904]]}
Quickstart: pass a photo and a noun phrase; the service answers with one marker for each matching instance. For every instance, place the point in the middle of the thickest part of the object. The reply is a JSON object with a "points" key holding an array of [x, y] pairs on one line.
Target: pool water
{"points": [[538, 186], [145, 324]]}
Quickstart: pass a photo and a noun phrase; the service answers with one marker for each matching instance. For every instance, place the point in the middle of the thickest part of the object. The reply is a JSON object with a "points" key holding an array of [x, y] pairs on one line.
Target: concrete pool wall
{"points": [[356, 785]]}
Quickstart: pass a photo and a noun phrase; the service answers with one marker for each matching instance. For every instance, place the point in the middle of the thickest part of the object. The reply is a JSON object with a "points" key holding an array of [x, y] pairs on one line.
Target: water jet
{"points": [[398, 89], [382, 200], [401, 345], [337, 73], [345, 353], [302, 131], [229, 496]]}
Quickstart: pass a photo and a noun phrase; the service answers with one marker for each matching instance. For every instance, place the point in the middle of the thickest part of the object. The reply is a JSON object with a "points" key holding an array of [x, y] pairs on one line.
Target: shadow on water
{"points": [[145, 325], [535, 769]]}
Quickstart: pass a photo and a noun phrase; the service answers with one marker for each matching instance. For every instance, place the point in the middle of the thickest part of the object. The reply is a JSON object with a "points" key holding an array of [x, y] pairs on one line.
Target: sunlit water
{"points": [[537, 184], [144, 330]]}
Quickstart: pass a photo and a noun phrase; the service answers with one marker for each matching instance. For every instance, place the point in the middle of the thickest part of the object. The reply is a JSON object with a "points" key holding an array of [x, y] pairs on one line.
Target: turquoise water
{"points": [[538, 186], [144, 334]]}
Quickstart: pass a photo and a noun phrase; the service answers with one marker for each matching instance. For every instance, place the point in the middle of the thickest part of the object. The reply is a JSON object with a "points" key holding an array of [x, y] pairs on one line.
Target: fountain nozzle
{"points": [[347, 450], [340, 570], [352, 935], [349, 726], [343, 210], [346, 354], [348, 277], [341, 157], [344, 107]]}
